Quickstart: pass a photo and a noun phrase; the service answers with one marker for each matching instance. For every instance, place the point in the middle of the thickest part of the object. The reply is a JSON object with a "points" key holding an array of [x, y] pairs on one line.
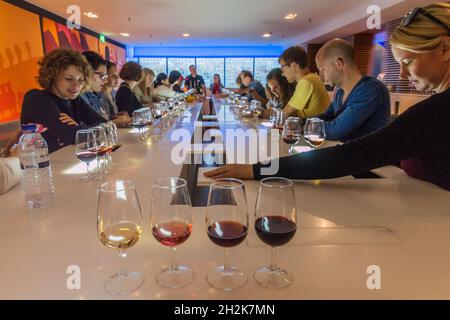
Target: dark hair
{"points": [[246, 74], [295, 54], [159, 79], [131, 71], [286, 89], [238, 79], [94, 59], [174, 75], [191, 66], [217, 75], [110, 65], [53, 63]]}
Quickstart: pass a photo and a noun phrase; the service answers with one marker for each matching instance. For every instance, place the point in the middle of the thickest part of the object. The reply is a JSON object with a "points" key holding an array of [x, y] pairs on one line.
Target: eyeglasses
{"points": [[286, 65], [101, 75], [409, 18]]}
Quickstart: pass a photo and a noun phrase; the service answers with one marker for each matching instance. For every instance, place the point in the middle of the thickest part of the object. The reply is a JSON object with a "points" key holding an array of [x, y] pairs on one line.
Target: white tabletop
{"points": [[346, 225]]}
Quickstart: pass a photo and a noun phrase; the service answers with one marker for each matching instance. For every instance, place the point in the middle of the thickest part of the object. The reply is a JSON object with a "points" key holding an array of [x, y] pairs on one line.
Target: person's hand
{"points": [[64, 118], [244, 91], [123, 119], [238, 171]]}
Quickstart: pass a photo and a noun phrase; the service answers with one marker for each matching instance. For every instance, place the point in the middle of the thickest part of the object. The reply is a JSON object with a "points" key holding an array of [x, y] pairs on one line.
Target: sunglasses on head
{"points": [[409, 18]]}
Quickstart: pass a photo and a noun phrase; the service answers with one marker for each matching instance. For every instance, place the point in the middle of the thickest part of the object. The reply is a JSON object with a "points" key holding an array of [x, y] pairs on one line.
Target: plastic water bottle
{"points": [[37, 173]]}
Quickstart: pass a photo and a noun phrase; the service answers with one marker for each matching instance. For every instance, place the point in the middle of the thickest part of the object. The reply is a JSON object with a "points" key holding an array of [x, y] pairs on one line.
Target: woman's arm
{"points": [[38, 107], [10, 173]]}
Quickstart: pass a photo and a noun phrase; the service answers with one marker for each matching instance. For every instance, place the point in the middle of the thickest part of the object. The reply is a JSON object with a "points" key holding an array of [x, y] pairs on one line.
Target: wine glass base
{"points": [[125, 284], [228, 280], [174, 279], [273, 279]]}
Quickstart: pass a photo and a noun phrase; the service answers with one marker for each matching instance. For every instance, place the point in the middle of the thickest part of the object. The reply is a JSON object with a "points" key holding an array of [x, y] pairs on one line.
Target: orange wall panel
{"points": [[20, 51]]}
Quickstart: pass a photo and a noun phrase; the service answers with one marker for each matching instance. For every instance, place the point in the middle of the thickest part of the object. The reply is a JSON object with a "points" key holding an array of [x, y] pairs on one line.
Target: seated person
{"points": [[176, 81], [58, 107], [216, 87], [109, 89], [361, 104], [94, 95], [419, 138], [144, 89], [163, 88], [126, 100], [279, 91], [310, 97], [253, 89]]}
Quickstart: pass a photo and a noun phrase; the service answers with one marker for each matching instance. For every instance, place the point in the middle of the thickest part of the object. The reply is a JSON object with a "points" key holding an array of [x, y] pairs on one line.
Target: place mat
{"points": [[201, 179], [209, 117], [335, 236]]}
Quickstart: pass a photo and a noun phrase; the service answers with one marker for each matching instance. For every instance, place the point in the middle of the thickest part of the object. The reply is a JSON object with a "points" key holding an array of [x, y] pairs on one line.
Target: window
{"points": [[227, 67], [158, 65], [233, 67], [207, 67], [180, 64], [263, 66]]}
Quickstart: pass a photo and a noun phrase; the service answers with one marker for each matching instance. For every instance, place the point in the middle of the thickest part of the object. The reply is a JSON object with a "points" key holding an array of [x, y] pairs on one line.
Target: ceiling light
{"points": [[91, 15], [267, 35], [186, 35], [290, 16], [123, 34]]}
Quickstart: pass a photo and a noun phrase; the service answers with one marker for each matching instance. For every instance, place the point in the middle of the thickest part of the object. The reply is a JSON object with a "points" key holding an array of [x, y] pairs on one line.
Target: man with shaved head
{"points": [[361, 104]]}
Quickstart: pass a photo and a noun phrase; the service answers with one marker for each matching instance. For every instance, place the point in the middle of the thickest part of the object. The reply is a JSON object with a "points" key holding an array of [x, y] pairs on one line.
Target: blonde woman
{"points": [[419, 138], [144, 89]]}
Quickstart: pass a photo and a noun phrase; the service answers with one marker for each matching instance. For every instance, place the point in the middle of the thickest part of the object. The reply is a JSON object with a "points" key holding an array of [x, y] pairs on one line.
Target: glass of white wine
{"points": [[119, 227], [315, 132]]}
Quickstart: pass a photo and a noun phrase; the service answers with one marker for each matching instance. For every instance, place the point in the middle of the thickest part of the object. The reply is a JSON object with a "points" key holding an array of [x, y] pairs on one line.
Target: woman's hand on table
{"points": [[238, 171]]}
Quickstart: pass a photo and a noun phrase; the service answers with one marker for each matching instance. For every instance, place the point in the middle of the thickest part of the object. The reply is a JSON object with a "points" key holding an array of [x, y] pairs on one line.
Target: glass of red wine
{"points": [[171, 224], [291, 132], [86, 149], [226, 226], [275, 225]]}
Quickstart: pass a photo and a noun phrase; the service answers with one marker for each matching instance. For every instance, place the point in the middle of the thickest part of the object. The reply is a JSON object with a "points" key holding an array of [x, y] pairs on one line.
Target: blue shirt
{"points": [[367, 109]]}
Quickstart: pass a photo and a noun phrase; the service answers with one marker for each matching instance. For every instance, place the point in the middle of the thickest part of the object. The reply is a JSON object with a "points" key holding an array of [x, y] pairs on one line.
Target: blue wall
{"points": [[249, 51]]}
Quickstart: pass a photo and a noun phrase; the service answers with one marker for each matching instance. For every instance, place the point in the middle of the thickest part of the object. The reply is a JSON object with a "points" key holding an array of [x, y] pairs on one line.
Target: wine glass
{"points": [[280, 118], [291, 132], [315, 132], [86, 149], [226, 226], [273, 116], [275, 225], [102, 149], [119, 226], [139, 122], [171, 224]]}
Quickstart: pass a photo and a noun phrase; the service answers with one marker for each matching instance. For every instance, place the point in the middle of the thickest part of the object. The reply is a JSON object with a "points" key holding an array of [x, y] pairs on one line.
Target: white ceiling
{"points": [[226, 22]]}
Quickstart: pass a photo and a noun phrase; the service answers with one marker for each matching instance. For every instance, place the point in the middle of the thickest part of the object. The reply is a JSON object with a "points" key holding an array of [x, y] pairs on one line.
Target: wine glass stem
{"points": [[173, 260], [88, 172], [226, 262], [122, 255], [273, 259]]}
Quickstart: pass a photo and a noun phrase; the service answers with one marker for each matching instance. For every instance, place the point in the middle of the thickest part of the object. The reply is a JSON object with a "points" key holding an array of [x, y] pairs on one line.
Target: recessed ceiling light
{"points": [[267, 35], [290, 16], [123, 34], [91, 15], [186, 35]]}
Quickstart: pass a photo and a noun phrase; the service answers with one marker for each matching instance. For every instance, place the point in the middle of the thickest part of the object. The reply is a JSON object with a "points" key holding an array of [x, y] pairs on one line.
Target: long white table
{"points": [[346, 225]]}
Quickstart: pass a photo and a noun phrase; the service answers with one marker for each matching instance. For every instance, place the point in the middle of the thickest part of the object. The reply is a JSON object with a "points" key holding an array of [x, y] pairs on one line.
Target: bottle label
{"points": [[39, 165]]}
